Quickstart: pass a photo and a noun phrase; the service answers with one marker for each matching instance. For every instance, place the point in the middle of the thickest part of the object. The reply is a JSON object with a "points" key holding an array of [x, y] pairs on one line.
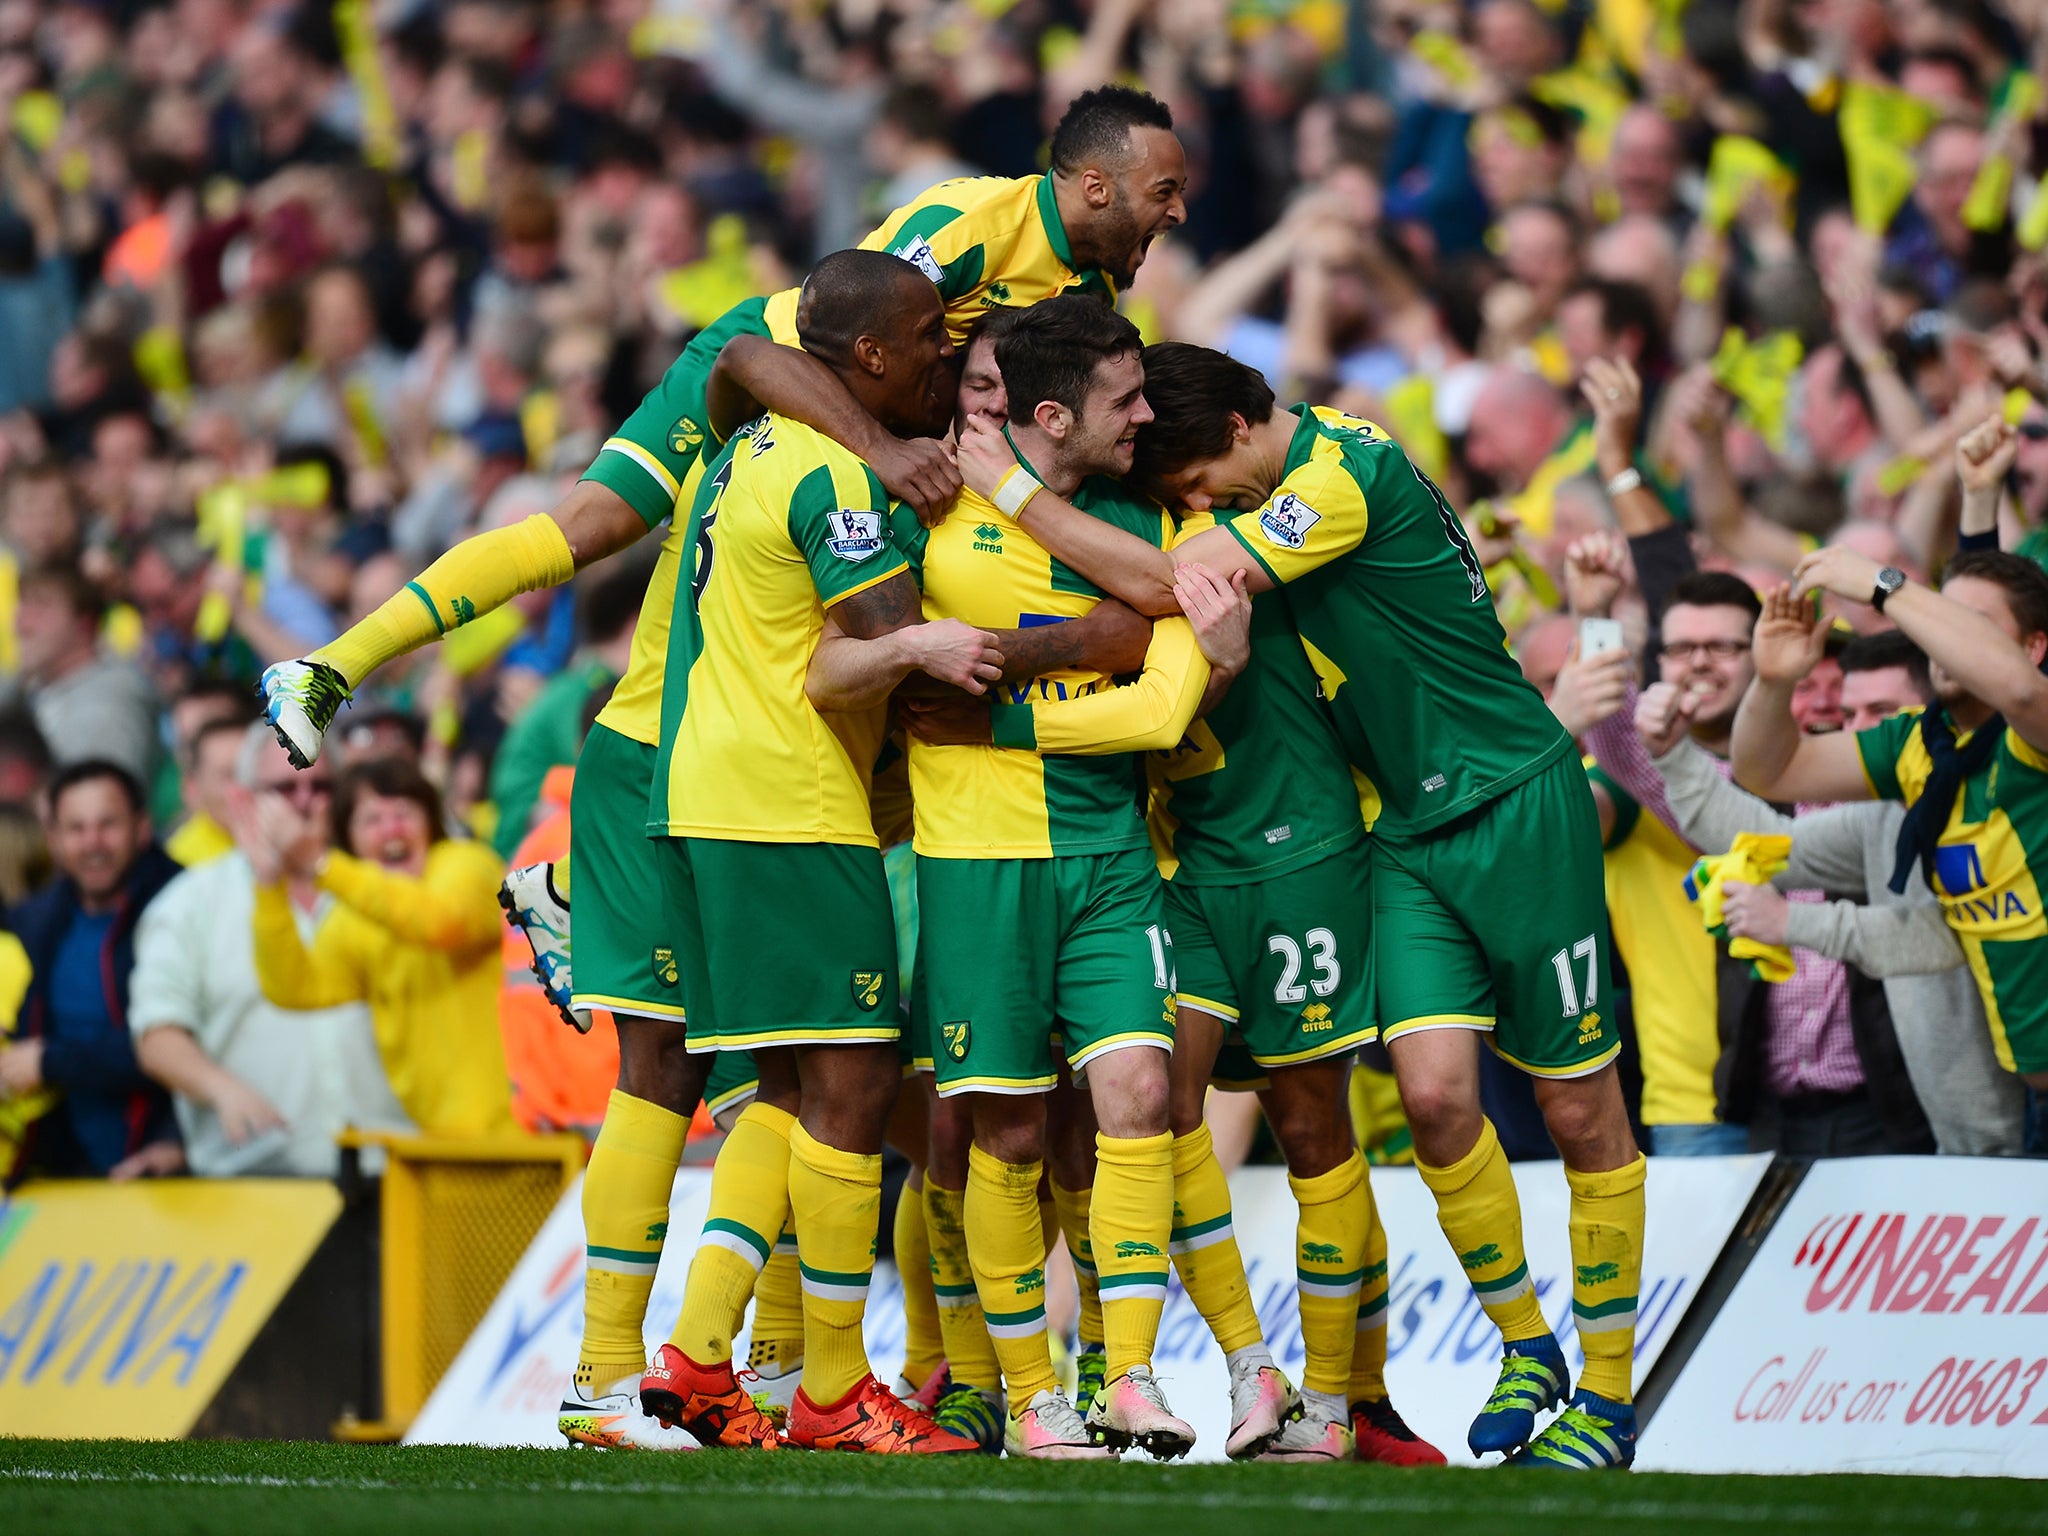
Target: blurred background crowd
{"points": [[295, 295]]}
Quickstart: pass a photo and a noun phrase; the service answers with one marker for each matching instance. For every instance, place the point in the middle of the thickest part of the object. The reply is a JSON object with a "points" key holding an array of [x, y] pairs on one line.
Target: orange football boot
{"points": [[707, 1400], [1383, 1435], [873, 1419]]}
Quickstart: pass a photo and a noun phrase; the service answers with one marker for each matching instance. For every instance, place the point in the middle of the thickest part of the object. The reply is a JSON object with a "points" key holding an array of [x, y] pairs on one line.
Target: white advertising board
{"points": [[505, 1386], [1895, 1320]]}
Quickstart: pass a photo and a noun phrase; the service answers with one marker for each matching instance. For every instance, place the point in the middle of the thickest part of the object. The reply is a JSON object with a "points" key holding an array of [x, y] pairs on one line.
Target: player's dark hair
{"points": [[1193, 392], [1713, 589], [1886, 649], [1052, 349], [1096, 127], [995, 324], [848, 295], [2024, 583], [91, 770], [392, 778]]}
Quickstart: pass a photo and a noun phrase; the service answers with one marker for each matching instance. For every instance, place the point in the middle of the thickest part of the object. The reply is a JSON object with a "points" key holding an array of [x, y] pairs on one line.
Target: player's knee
{"points": [[655, 1066], [1313, 1138], [1439, 1111], [1136, 1103], [1013, 1141]]}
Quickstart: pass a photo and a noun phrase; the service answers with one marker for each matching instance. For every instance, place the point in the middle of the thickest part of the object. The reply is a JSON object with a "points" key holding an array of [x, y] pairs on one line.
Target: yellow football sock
{"points": [[1329, 1258], [970, 1353], [924, 1349], [1369, 1348], [1006, 1248], [1481, 1214], [1071, 1206], [625, 1217], [1204, 1246], [749, 1207], [778, 1331], [1607, 1270], [835, 1198], [478, 575], [1130, 1223], [560, 875]]}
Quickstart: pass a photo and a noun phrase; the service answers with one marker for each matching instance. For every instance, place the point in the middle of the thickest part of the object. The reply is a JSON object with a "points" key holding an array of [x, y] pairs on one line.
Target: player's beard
{"points": [[1117, 238]]}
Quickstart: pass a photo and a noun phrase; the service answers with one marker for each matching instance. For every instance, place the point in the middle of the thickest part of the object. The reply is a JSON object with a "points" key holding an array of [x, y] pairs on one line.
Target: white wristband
{"points": [[1016, 489], [1629, 479]]}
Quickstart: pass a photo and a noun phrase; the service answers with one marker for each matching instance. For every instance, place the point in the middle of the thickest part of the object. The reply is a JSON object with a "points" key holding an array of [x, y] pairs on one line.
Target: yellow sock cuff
{"points": [[559, 874], [1616, 1181], [1448, 1181], [769, 1118], [1009, 1177], [1192, 1150], [1334, 1185], [854, 1167], [647, 1130], [1134, 1151], [477, 576]]}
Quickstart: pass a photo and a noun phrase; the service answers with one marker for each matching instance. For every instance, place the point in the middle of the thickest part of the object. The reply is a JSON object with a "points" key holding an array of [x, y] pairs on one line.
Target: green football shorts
{"points": [[1498, 922], [1013, 949], [1286, 963], [783, 943]]}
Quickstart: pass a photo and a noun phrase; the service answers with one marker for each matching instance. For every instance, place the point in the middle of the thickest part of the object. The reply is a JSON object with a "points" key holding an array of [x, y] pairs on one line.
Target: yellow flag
{"points": [[357, 34], [1736, 166], [706, 289], [1880, 129], [1595, 97], [1410, 408], [1759, 375], [1753, 859], [1446, 55], [1991, 193]]}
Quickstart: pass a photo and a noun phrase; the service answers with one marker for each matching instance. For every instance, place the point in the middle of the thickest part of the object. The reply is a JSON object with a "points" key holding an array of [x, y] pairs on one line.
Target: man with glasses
{"points": [[258, 1089]]}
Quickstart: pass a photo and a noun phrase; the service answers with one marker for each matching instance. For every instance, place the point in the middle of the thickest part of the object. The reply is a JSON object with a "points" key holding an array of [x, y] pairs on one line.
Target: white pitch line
{"points": [[1463, 1504]]}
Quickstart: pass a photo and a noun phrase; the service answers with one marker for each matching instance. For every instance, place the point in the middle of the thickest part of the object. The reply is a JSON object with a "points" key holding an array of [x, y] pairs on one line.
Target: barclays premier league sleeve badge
{"points": [[1286, 521], [919, 254], [855, 535]]}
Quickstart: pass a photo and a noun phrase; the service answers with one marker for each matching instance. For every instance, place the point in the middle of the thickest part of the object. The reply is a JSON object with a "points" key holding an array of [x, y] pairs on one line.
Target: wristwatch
{"points": [[1889, 580]]}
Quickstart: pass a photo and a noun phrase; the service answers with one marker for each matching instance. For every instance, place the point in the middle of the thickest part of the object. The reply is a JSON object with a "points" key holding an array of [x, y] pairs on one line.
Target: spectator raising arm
{"points": [[1989, 664], [1770, 756]]}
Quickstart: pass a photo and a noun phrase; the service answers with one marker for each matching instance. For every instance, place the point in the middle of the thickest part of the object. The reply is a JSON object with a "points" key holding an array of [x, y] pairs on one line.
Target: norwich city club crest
{"points": [[954, 1038], [686, 436], [867, 989], [665, 966]]}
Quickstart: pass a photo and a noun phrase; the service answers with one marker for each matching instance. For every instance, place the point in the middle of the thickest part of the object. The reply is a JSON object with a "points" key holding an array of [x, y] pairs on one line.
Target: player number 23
{"points": [[1322, 954]]}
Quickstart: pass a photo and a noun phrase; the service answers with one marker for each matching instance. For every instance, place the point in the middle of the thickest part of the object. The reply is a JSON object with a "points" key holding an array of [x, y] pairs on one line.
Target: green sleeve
{"points": [[1880, 747], [840, 523], [647, 460], [912, 538], [1626, 810]]}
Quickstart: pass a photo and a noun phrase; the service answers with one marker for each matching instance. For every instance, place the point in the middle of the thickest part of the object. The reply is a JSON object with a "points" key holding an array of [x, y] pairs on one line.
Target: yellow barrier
{"points": [[457, 1215], [123, 1307]]}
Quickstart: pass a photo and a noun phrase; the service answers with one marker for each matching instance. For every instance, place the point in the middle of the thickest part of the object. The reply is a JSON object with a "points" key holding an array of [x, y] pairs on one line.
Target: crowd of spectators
{"points": [[293, 296]]}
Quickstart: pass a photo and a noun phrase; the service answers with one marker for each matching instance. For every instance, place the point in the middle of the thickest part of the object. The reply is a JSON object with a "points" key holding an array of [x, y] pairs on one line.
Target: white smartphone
{"points": [[1599, 636]]}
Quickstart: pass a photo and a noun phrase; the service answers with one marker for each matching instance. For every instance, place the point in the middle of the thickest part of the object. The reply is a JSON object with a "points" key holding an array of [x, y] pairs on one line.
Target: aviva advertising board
{"points": [[123, 1307]]}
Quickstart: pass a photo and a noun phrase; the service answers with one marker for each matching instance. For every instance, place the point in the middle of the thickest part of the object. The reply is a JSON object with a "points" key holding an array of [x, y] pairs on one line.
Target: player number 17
{"points": [[1584, 950]]}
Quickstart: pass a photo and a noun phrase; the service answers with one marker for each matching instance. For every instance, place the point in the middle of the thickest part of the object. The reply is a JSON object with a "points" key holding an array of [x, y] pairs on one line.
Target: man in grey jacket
{"points": [[1973, 1105]]}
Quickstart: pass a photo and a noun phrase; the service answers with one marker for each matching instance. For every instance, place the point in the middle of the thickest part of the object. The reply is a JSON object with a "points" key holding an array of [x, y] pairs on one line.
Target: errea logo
{"points": [[1315, 1018], [988, 538]]}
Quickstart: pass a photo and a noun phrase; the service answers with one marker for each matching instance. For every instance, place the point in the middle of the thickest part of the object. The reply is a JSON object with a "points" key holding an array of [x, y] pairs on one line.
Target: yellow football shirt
{"points": [[1984, 873], [1025, 797], [785, 524]]}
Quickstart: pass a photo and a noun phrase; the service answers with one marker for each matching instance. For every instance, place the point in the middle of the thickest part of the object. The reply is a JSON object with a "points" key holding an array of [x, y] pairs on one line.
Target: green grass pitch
{"points": [[55, 1488]]}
